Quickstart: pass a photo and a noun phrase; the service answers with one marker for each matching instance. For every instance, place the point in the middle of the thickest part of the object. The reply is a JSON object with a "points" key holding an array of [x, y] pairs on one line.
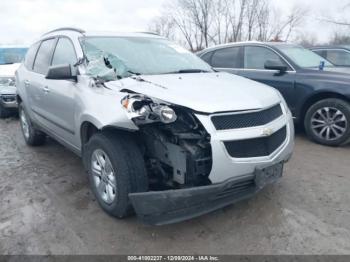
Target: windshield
{"points": [[303, 57], [126, 56], [11, 55]]}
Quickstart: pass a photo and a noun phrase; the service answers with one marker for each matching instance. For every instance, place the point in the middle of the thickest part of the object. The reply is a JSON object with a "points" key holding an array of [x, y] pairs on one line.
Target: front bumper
{"points": [[8, 101], [226, 167], [167, 207]]}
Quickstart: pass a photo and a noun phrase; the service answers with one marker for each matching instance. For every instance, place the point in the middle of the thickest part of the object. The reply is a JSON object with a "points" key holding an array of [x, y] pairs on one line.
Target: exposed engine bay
{"points": [[176, 146]]}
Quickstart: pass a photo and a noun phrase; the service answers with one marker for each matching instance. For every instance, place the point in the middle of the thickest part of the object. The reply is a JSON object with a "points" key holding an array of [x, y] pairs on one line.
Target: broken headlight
{"points": [[144, 110]]}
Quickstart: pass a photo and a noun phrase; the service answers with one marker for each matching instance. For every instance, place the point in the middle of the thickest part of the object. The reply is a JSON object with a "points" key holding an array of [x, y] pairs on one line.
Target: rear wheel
{"points": [[32, 136], [328, 122], [116, 168]]}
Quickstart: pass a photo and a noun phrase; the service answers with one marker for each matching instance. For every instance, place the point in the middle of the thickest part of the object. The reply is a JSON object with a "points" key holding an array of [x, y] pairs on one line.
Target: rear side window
{"points": [[338, 57], [226, 58], [43, 58], [30, 56], [64, 53], [255, 57]]}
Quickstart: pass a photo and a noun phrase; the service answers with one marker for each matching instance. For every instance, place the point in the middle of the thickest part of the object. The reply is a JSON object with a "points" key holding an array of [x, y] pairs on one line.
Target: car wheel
{"points": [[32, 136], [4, 113], [328, 122], [116, 168]]}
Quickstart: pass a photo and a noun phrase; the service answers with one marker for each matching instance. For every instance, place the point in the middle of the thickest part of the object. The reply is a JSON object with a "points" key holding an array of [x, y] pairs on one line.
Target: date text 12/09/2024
{"points": [[173, 258]]}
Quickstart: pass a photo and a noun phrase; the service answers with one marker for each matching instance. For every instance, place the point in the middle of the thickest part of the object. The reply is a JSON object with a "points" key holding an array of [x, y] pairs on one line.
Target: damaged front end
{"points": [[176, 146]]}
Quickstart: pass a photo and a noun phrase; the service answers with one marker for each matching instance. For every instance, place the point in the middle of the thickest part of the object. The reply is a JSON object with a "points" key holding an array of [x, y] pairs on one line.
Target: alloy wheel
{"points": [[104, 176], [329, 123], [24, 124]]}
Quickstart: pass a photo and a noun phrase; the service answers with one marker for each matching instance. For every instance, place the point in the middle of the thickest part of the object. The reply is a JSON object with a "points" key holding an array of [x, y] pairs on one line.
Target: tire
{"points": [[128, 171], [327, 122], [4, 113], [32, 136]]}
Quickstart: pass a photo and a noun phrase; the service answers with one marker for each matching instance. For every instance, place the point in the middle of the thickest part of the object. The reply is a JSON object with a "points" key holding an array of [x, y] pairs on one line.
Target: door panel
{"points": [[285, 83], [60, 109], [38, 82], [254, 68]]}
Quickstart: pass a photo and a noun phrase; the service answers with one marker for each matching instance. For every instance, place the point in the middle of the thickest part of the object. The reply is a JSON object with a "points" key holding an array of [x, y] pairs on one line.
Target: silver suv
{"points": [[159, 132]]}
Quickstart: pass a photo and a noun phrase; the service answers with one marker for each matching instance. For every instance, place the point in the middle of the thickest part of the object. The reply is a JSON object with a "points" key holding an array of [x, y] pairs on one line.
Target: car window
{"points": [[207, 57], [255, 57], [30, 56], [322, 53], [43, 58], [338, 57], [302, 57], [64, 53], [226, 58]]}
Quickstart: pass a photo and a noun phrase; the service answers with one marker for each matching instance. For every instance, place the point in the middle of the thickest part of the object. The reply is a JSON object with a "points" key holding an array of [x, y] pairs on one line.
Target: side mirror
{"points": [[275, 65], [61, 72]]}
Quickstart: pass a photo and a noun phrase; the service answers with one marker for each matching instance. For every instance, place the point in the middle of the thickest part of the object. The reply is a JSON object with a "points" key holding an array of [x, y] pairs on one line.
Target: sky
{"points": [[23, 21]]}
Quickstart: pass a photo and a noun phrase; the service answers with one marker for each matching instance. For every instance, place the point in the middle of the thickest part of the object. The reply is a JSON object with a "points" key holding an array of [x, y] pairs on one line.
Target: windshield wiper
{"points": [[189, 71], [134, 73]]}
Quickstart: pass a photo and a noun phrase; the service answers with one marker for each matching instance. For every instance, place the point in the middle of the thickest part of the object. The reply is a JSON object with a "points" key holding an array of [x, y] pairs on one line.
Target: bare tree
{"points": [[287, 26], [201, 23], [163, 25]]}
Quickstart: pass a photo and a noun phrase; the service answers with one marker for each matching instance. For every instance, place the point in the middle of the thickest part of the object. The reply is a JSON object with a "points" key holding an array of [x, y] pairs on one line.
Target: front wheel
{"points": [[116, 168], [327, 122]]}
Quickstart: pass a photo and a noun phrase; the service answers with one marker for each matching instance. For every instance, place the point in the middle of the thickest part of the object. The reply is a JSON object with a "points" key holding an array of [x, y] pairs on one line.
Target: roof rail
{"points": [[81, 31], [149, 33]]}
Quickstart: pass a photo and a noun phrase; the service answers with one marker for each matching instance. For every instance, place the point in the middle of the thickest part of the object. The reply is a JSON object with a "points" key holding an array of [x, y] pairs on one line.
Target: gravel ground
{"points": [[46, 207]]}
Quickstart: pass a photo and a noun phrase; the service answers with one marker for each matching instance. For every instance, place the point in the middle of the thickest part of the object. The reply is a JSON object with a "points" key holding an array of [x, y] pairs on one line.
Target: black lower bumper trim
{"points": [[167, 207]]}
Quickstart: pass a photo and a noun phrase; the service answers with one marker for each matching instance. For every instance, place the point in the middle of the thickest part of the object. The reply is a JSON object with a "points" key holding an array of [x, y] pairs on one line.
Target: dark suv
{"points": [[317, 92]]}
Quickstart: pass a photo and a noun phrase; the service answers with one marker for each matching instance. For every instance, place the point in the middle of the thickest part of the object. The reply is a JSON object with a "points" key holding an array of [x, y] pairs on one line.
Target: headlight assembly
{"points": [[143, 110]]}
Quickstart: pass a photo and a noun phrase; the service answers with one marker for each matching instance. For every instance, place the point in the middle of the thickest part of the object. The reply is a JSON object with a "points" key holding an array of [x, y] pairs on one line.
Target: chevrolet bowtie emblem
{"points": [[267, 132]]}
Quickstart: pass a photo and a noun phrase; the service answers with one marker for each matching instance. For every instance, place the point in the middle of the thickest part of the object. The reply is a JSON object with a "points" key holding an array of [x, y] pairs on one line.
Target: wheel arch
{"points": [[316, 98], [88, 129]]}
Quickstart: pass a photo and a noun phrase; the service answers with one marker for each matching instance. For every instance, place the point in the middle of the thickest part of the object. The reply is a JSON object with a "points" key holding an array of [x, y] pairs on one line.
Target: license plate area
{"points": [[269, 175]]}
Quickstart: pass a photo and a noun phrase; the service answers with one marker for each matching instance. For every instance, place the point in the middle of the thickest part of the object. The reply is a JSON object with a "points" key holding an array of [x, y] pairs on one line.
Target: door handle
{"points": [[46, 89], [26, 83]]}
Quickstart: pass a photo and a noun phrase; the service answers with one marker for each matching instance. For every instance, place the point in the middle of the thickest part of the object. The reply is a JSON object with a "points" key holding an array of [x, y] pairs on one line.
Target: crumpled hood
{"points": [[8, 70], [202, 92]]}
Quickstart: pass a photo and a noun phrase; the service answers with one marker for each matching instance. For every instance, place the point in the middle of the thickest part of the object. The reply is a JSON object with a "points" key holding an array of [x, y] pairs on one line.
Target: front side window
{"points": [[43, 57], [64, 53], [338, 57], [116, 57], [226, 58], [255, 57], [302, 57], [12, 55]]}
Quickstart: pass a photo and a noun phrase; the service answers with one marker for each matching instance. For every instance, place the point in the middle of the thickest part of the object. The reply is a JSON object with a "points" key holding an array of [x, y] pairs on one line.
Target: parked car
{"points": [[337, 55], [317, 93], [10, 58], [158, 130]]}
